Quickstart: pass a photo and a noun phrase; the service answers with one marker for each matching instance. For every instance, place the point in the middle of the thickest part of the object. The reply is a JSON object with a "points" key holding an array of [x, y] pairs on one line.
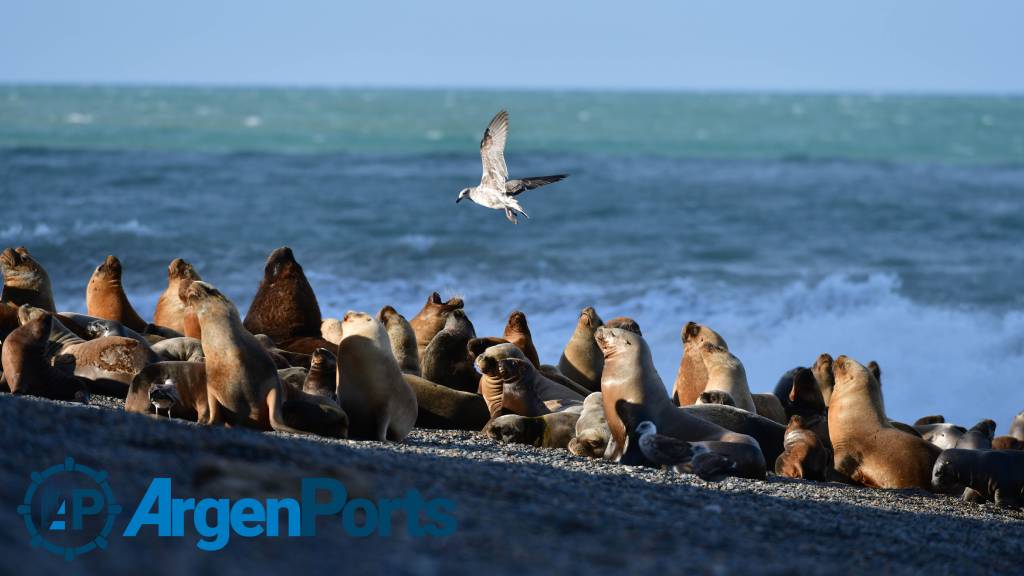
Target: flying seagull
{"points": [[495, 189]]}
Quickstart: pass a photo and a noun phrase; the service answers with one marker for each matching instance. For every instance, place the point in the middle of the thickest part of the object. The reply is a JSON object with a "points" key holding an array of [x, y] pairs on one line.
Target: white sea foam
{"points": [[79, 118], [42, 232]]}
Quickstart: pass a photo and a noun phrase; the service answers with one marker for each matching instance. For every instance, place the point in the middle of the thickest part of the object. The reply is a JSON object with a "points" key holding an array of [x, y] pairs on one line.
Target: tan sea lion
{"points": [[1017, 426], [190, 321], [592, 432], [725, 372], [431, 319], [1007, 443], [867, 449], [174, 389], [492, 382], [824, 376], [285, 307], [517, 331], [805, 456], [631, 385], [27, 368], [25, 280], [442, 408], [553, 430], [979, 437], [624, 322], [379, 402], [105, 296], [993, 475], [581, 359], [322, 378], [692, 376], [170, 309], [446, 360], [243, 388], [331, 330], [516, 374], [769, 406], [403, 340]]}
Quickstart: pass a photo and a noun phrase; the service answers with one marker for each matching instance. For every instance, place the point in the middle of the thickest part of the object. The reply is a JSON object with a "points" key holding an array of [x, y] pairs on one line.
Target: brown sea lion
{"points": [[624, 322], [592, 432], [692, 376], [824, 376], [581, 359], [517, 331], [1017, 426], [379, 402], [403, 340], [27, 368], [189, 320], [492, 383], [322, 378], [105, 296], [442, 408], [431, 319], [314, 413], [630, 384], [725, 372], [516, 374], [25, 280], [446, 360], [993, 475], [170, 309], [1007, 443], [243, 388], [554, 430], [478, 346], [800, 395], [769, 406], [979, 437], [805, 456], [174, 389], [867, 448], [285, 307], [8, 319], [935, 419]]}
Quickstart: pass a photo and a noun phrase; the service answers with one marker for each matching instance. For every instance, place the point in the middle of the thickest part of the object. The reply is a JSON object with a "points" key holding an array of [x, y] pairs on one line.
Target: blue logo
{"points": [[69, 509]]}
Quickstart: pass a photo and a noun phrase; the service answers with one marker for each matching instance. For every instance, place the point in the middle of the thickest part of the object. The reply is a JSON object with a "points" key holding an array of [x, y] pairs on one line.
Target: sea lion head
{"points": [[435, 304], [179, 269], [805, 393], [517, 429], [512, 369], [847, 369], [281, 264], [624, 322], [387, 315], [716, 397], [517, 323], [97, 329], [694, 334], [323, 359], [109, 270], [477, 346], [458, 323], [944, 476], [203, 298], [875, 370], [20, 269], [986, 427], [164, 395], [28, 313], [589, 319], [823, 367], [37, 323], [487, 361], [612, 341]]}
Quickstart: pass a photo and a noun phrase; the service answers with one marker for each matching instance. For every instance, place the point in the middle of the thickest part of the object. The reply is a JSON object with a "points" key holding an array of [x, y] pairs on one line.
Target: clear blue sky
{"points": [[862, 45]]}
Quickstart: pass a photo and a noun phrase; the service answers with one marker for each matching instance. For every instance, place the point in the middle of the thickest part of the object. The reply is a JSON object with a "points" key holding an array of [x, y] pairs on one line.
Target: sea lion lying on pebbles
{"points": [[174, 389], [25, 280], [805, 456], [768, 433], [170, 309], [27, 368], [552, 395], [554, 430], [442, 408], [592, 432], [105, 297], [517, 331], [446, 359], [692, 376], [993, 475], [431, 319], [581, 359], [403, 340]]}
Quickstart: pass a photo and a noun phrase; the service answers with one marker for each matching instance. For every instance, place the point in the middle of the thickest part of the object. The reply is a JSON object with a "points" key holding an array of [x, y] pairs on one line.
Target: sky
{"points": [[770, 45]]}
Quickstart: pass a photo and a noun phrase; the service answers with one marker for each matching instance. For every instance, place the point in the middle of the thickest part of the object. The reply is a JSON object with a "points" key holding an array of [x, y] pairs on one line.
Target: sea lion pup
{"points": [[979, 437], [380, 404], [285, 307], [592, 432], [183, 349], [799, 394], [715, 397], [108, 364], [994, 475], [725, 372], [492, 381], [517, 331], [27, 369], [692, 375], [322, 378], [242, 385], [1007, 443], [442, 408], [629, 378], [331, 330], [314, 413], [876, 371], [943, 435], [867, 448], [170, 309], [624, 322], [174, 389], [431, 319], [105, 297], [824, 376], [554, 430], [805, 456], [25, 280], [1017, 426], [581, 359], [403, 340], [446, 359]]}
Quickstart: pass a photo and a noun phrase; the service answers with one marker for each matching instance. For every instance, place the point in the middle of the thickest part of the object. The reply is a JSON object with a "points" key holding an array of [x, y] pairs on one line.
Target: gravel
{"points": [[520, 509]]}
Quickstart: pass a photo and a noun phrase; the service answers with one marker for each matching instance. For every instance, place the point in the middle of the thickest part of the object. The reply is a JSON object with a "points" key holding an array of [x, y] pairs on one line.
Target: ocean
{"points": [[883, 227]]}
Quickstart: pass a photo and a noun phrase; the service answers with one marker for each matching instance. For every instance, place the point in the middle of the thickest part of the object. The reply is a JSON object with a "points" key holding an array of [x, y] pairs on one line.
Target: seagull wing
{"points": [[492, 152], [665, 450], [517, 187]]}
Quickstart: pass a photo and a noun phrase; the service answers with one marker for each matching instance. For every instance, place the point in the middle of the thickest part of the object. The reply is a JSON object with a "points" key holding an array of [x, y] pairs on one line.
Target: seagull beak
{"points": [[459, 199]]}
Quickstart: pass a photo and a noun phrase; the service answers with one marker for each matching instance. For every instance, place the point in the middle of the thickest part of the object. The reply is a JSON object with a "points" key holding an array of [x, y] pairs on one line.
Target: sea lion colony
{"points": [[375, 376]]}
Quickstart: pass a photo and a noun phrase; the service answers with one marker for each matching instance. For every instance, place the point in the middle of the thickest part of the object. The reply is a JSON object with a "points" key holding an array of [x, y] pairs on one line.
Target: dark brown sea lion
{"points": [[8, 319], [285, 307], [805, 456], [581, 359], [630, 384], [979, 437], [105, 296], [768, 433], [174, 389], [431, 319], [715, 397], [403, 340], [799, 394], [624, 322], [25, 280], [446, 360], [517, 331], [27, 368], [243, 388], [170, 309], [380, 403], [823, 374], [867, 449], [442, 408], [478, 346], [692, 376], [993, 475], [1007, 443], [322, 379], [876, 371]]}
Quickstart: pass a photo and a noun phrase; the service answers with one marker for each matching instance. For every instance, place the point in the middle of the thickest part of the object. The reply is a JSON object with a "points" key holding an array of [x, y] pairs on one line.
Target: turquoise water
{"points": [[883, 227]]}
